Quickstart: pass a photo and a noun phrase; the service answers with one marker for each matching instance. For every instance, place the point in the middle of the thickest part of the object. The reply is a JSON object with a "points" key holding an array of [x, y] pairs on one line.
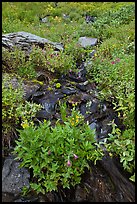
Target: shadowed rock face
{"points": [[13, 177]]}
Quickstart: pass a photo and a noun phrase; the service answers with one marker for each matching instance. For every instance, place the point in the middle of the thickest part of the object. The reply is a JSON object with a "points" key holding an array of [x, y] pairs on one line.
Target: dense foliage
{"points": [[112, 69], [57, 155], [14, 108]]}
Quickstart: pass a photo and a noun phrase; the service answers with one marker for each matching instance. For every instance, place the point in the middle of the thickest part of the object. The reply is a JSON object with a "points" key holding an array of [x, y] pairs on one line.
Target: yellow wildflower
{"points": [[24, 125], [72, 123], [95, 55], [77, 120]]}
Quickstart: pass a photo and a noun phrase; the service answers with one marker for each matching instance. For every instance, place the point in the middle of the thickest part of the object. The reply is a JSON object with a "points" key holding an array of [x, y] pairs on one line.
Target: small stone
{"points": [[43, 20]]}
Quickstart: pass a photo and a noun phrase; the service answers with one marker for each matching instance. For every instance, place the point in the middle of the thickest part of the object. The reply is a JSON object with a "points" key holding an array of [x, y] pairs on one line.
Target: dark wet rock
{"points": [[82, 86], [44, 114], [125, 189], [25, 41], [91, 54], [44, 20], [81, 194], [8, 197], [68, 90], [93, 126], [49, 103], [29, 89], [65, 16], [87, 41], [84, 97], [82, 109], [78, 77], [38, 94], [26, 199], [43, 78], [90, 19], [13, 177], [78, 98]]}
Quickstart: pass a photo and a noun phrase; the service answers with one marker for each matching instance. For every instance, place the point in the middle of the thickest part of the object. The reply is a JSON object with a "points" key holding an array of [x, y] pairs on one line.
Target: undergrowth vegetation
{"points": [[57, 158], [112, 69]]}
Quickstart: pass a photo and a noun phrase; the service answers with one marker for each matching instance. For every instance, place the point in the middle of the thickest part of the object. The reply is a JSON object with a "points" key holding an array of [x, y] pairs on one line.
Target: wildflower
{"points": [[75, 156], [68, 163], [25, 125], [117, 60], [77, 120], [95, 55], [113, 62], [72, 123], [49, 152]]}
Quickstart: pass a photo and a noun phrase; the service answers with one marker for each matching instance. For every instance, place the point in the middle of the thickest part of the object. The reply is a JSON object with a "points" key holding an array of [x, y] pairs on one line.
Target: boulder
{"points": [[25, 41], [87, 41], [13, 177]]}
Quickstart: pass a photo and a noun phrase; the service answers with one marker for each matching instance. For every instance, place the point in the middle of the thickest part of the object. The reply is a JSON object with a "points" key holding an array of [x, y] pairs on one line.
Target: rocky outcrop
{"points": [[25, 41]]}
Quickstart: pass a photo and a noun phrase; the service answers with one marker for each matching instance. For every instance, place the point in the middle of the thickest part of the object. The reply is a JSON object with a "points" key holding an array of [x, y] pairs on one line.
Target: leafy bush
{"points": [[14, 108], [15, 61], [58, 155], [110, 20], [123, 146]]}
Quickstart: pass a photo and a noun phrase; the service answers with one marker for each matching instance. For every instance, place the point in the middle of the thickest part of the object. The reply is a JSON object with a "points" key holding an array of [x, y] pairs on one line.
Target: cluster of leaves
{"points": [[60, 62], [58, 155], [16, 62], [123, 146], [46, 59], [14, 108], [105, 25]]}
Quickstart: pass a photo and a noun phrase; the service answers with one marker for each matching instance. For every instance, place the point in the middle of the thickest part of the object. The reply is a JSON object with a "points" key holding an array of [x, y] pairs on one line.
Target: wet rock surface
{"points": [[13, 177]]}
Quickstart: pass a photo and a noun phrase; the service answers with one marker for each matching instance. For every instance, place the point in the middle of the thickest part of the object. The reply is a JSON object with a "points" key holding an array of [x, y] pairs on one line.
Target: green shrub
{"points": [[123, 146], [15, 62], [14, 108], [58, 155]]}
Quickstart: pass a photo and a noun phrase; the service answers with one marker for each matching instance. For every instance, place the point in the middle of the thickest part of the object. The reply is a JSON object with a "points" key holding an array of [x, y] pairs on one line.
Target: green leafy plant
{"points": [[14, 108], [15, 62], [59, 62], [58, 155], [123, 146]]}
